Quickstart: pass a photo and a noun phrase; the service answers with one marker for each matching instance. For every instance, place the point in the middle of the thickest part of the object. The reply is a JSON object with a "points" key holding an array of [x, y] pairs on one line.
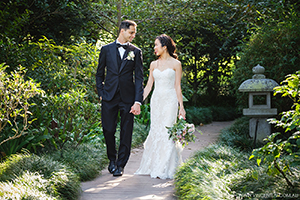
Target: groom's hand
{"points": [[135, 109]]}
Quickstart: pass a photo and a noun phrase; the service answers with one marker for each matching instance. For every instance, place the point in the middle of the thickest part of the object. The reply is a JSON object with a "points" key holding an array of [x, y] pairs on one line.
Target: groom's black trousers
{"points": [[110, 110]]}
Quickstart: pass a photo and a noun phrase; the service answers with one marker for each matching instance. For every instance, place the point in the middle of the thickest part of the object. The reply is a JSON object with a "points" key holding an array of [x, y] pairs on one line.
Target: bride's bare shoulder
{"points": [[153, 64], [176, 63]]}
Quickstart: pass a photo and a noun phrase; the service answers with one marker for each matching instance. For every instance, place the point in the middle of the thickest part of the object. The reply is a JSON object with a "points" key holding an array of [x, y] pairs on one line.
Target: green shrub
{"points": [[59, 68], [237, 135], [72, 118], [223, 113], [15, 93], [205, 115], [198, 115], [144, 117]]}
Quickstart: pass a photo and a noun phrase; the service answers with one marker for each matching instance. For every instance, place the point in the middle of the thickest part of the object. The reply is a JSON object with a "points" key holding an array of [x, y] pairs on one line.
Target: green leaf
{"points": [[255, 175], [258, 161], [270, 158], [252, 156], [298, 142]]}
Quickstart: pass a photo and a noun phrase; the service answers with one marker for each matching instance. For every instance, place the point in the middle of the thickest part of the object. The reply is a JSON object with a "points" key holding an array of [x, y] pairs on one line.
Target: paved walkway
{"points": [[134, 187]]}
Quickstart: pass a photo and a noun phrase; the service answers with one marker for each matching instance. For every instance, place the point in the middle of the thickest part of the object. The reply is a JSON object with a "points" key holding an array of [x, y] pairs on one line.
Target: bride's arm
{"points": [[178, 75], [150, 81]]}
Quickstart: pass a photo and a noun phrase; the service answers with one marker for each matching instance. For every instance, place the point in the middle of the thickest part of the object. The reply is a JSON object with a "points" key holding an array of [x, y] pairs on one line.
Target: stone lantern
{"points": [[259, 88]]}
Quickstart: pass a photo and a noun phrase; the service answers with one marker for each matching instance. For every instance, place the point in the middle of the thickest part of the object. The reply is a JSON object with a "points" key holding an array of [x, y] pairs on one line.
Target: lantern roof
{"points": [[259, 82]]}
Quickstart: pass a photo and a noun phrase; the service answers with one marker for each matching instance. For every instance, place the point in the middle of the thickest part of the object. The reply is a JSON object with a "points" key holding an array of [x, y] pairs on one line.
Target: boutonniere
{"points": [[130, 56]]}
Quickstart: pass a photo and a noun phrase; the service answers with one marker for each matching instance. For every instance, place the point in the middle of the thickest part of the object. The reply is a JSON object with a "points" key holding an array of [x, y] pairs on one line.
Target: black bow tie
{"points": [[120, 45]]}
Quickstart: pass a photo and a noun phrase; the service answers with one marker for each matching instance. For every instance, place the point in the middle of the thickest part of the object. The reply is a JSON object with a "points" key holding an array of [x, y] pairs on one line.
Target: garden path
{"points": [[133, 187]]}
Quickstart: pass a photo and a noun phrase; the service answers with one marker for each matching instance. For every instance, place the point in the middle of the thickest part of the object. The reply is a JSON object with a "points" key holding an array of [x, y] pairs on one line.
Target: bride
{"points": [[162, 156]]}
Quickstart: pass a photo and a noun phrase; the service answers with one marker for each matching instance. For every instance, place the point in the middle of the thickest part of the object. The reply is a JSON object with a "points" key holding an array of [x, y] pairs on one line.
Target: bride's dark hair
{"points": [[167, 41]]}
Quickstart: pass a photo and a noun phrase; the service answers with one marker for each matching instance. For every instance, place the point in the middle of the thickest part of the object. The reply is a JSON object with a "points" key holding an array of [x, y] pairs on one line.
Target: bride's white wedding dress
{"points": [[161, 156]]}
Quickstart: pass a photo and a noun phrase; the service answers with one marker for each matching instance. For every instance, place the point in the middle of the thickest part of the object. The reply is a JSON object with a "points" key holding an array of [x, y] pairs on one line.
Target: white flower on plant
{"points": [[131, 56]]}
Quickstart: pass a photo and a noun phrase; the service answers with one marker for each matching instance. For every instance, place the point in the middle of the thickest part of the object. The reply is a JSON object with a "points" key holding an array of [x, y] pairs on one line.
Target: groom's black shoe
{"points": [[119, 171], [112, 167]]}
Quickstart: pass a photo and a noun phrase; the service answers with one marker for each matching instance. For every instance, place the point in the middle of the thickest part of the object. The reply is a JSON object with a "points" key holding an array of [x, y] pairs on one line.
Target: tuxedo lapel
{"points": [[114, 55], [124, 59]]}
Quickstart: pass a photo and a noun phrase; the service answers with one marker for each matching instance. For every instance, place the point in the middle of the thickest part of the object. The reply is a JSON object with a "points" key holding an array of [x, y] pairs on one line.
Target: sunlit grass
{"points": [[26, 172], [221, 171], [28, 186], [208, 173], [85, 160]]}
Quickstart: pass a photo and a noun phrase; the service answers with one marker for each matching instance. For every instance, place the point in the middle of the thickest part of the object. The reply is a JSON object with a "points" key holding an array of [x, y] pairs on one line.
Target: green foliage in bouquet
{"points": [[182, 132]]}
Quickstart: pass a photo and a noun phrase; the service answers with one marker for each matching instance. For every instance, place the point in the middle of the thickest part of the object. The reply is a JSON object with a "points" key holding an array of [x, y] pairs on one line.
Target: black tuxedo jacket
{"points": [[126, 77]]}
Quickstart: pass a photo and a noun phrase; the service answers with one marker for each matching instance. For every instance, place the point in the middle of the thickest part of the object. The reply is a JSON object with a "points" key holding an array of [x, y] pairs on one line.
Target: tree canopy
{"points": [[209, 34], [64, 21]]}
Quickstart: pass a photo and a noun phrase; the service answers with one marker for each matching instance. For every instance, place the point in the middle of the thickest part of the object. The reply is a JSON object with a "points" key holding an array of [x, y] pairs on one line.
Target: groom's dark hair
{"points": [[126, 24]]}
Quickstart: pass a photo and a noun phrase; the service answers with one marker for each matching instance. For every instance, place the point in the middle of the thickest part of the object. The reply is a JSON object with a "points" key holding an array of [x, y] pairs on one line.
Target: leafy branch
{"points": [[280, 154], [14, 95]]}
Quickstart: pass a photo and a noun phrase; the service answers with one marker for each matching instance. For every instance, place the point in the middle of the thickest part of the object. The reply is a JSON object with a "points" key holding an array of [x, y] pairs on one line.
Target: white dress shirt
{"points": [[121, 49]]}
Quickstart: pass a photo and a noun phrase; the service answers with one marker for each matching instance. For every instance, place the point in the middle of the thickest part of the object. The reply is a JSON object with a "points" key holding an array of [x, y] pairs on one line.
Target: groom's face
{"points": [[129, 34]]}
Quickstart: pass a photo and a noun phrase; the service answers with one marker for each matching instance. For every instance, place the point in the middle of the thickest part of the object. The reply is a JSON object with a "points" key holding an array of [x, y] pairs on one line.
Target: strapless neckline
{"points": [[164, 70]]}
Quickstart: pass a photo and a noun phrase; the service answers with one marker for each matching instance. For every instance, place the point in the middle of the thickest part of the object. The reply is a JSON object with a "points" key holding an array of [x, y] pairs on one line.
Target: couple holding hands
{"points": [[119, 81]]}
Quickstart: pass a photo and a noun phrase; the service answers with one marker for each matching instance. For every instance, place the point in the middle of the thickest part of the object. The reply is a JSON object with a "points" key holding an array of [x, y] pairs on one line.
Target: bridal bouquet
{"points": [[182, 132]]}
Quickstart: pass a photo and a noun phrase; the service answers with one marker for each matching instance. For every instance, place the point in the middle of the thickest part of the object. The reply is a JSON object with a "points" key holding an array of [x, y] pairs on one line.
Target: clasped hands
{"points": [[135, 109]]}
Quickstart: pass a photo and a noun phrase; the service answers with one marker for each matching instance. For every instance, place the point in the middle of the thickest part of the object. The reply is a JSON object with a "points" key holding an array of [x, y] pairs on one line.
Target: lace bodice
{"points": [[164, 80]]}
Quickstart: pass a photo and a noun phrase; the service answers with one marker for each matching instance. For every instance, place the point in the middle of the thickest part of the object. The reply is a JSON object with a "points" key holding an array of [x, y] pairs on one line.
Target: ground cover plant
{"points": [[60, 180], [224, 172], [86, 160]]}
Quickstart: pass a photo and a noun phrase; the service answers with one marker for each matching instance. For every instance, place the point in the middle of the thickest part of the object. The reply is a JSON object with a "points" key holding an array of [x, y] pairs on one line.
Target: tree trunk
{"points": [[119, 7]]}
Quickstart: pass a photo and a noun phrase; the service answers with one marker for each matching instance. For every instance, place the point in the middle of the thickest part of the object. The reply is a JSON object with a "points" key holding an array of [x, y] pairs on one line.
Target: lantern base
{"points": [[262, 128]]}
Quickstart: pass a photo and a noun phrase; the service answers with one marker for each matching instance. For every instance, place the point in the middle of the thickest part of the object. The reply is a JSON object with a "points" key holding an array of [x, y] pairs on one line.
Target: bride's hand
{"points": [[181, 113]]}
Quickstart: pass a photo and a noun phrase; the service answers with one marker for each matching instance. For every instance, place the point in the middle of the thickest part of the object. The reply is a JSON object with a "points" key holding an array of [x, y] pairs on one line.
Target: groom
{"points": [[119, 81]]}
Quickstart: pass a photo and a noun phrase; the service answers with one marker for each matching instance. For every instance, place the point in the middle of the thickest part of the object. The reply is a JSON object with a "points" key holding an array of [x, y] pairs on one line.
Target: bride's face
{"points": [[158, 49]]}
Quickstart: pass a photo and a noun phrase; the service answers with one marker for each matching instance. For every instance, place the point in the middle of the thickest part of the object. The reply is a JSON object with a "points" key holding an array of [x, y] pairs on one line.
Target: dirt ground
{"points": [[134, 187]]}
